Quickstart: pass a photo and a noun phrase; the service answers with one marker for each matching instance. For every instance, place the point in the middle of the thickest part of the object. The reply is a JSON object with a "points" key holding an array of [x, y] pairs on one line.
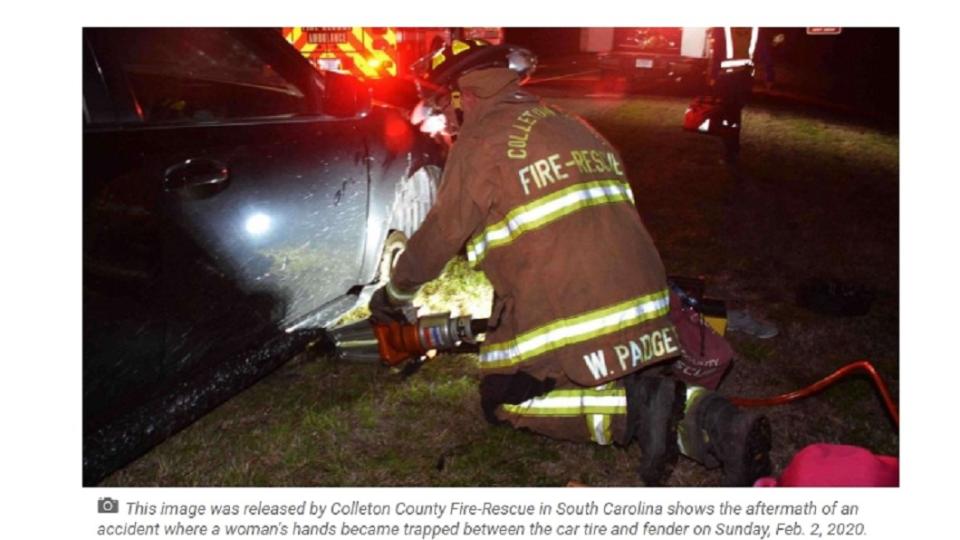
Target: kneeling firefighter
{"points": [[541, 204]]}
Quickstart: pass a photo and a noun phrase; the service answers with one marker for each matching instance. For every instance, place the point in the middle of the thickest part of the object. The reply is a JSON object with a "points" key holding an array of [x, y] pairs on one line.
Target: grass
{"points": [[814, 196]]}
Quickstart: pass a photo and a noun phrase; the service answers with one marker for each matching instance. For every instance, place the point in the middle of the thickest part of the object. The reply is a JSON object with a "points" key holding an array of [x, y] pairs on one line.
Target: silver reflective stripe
{"points": [[544, 211], [680, 437], [736, 63], [576, 329], [693, 394], [573, 403], [399, 295], [596, 427], [599, 425], [728, 35]]}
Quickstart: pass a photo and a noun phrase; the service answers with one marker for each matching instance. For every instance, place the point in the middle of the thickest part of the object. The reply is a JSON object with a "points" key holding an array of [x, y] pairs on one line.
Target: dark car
{"points": [[235, 201]]}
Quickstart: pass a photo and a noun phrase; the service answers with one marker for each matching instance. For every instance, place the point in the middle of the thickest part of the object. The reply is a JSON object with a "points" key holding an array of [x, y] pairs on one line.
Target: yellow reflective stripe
{"points": [[459, 46], [595, 425], [358, 53], [399, 295], [577, 329], [564, 403], [599, 427], [545, 211], [437, 59], [596, 391], [694, 393], [378, 54]]}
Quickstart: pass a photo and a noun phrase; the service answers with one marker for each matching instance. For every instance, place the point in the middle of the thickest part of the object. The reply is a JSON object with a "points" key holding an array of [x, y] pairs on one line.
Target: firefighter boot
{"points": [[654, 408], [715, 432]]}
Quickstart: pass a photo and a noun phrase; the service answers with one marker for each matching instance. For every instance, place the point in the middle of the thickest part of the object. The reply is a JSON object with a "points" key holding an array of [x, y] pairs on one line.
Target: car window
{"points": [[201, 75]]}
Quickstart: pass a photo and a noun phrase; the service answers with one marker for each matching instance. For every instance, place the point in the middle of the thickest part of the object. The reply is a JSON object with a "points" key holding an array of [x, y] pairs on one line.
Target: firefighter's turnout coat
{"points": [[542, 205]]}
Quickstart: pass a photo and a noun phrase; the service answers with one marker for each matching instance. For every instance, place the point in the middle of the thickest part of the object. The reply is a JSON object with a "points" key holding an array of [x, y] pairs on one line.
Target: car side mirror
{"points": [[345, 96]]}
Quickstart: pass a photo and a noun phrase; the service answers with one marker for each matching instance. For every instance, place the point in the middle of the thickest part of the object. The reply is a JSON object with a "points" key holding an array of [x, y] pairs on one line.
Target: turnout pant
{"points": [[596, 414], [566, 411], [571, 413], [733, 88]]}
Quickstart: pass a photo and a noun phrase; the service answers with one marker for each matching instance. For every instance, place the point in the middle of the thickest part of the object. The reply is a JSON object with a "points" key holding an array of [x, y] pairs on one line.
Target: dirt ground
{"points": [[815, 196]]}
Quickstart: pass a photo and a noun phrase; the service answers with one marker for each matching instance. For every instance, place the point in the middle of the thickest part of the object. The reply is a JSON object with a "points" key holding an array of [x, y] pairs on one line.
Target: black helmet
{"points": [[462, 56]]}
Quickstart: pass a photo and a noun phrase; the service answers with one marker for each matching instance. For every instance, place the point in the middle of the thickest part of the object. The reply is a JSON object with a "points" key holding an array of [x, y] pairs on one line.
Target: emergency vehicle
{"points": [[650, 54], [376, 52]]}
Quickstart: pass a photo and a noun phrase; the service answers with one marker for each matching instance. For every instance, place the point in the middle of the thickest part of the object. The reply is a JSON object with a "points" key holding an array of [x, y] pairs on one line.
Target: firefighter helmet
{"points": [[463, 56]]}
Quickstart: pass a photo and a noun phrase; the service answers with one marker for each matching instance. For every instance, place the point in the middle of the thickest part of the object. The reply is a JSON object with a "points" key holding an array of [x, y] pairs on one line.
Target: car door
{"points": [[124, 321], [236, 203]]}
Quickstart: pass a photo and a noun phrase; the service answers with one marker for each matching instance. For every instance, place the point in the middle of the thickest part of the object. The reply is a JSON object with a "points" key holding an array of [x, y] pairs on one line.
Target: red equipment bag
{"points": [[707, 115], [837, 465], [706, 354]]}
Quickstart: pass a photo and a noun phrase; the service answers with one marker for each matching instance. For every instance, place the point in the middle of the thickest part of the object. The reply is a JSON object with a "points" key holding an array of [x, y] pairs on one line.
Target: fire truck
{"points": [[650, 54], [376, 52]]}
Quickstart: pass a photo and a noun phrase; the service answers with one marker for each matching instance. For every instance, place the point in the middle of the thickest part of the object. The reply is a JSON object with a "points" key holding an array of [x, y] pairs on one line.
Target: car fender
{"points": [[403, 187]]}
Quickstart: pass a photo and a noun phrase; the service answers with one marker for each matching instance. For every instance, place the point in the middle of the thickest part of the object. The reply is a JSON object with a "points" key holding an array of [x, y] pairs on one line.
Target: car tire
{"points": [[414, 198], [393, 246]]}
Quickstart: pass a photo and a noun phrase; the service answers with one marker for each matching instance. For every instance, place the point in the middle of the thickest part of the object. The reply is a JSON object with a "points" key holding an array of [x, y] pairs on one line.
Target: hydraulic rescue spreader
{"points": [[395, 343]]}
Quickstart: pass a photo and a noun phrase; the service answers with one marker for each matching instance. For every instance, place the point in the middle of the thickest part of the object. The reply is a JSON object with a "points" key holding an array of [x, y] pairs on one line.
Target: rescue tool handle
{"points": [[397, 343], [479, 326]]}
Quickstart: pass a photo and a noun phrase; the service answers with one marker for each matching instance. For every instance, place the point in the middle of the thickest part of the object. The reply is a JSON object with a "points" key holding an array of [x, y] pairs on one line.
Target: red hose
{"points": [[829, 380]]}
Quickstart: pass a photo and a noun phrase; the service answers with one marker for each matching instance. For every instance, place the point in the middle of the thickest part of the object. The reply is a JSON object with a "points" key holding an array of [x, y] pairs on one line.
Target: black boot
{"points": [[714, 432], [654, 408]]}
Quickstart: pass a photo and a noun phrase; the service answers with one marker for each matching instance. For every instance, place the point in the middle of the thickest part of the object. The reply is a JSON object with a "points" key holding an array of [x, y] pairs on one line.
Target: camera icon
{"points": [[107, 505]]}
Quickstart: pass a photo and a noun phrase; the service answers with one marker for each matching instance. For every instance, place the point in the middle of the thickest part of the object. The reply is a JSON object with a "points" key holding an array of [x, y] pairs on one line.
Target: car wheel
{"points": [[393, 246], [414, 198]]}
